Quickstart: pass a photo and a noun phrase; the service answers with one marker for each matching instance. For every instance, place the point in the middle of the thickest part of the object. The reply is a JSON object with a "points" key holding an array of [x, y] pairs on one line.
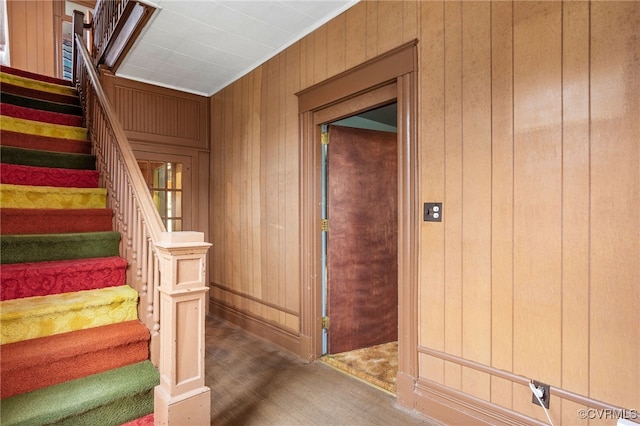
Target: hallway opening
{"points": [[360, 245]]}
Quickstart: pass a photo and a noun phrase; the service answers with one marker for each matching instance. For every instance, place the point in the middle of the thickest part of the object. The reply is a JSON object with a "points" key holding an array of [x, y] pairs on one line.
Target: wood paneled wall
{"points": [[529, 133], [170, 125], [31, 35]]}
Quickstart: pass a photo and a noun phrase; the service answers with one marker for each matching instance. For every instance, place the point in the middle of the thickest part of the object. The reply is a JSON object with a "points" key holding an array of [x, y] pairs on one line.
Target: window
{"points": [[164, 180]]}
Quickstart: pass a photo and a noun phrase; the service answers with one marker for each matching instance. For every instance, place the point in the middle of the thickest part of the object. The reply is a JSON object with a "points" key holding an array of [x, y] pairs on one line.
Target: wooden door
{"points": [[362, 251]]}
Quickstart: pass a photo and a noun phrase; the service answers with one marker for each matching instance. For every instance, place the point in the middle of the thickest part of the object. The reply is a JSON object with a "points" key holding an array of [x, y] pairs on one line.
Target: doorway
{"points": [[378, 82], [360, 249], [168, 178]]}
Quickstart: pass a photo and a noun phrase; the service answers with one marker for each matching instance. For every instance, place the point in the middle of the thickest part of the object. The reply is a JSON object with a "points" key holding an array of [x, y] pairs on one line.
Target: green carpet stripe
{"points": [[32, 157], [47, 247], [109, 398], [24, 101]]}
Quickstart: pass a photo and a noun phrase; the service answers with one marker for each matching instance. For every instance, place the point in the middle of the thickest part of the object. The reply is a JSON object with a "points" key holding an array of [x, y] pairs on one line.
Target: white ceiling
{"points": [[201, 46]]}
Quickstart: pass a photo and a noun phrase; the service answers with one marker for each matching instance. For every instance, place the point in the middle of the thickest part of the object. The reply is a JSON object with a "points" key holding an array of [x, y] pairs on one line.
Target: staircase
{"points": [[73, 349]]}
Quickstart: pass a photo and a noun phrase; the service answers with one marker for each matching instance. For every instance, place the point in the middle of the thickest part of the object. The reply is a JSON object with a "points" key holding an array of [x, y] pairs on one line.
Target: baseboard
{"points": [[453, 407], [257, 326]]}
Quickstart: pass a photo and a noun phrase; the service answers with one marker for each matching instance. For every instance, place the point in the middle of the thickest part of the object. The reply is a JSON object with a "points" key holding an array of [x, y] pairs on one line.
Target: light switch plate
{"points": [[433, 212]]}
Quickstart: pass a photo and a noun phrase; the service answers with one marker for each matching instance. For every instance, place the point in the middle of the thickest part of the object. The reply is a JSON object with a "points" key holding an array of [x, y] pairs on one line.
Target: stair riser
{"points": [[27, 113], [27, 74], [42, 86], [20, 280], [42, 248], [45, 143], [16, 174], [56, 160], [39, 104], [55, 221], [43, 129], [36, 94], [43, 197]]}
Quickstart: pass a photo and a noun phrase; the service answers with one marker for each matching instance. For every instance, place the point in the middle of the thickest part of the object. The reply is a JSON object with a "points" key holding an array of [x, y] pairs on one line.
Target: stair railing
{"points": [[166, 268]]}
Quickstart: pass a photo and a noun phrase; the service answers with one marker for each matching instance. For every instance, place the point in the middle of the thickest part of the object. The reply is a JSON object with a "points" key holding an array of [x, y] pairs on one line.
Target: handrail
{"points": [[166, 268], [135, 215], [107, 15]]}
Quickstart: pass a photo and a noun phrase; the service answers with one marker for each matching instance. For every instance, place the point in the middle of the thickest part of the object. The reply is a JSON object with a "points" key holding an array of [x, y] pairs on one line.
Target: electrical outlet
{"points": [[546, 395]]}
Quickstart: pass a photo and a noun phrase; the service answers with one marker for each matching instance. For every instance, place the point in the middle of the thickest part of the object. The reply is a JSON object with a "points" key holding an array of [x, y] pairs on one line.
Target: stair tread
{"points": [[63, 401], [39, 316], [20, 280]]}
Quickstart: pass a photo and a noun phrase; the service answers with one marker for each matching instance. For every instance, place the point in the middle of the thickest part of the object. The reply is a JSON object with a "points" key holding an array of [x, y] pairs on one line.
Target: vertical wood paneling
{"points": [[231, 196], [410, 20], [218, 156], [282, 187], [320, 68], [501, 198], [372, 29], [336, 52], [292, 156], [270, 193], [431, 295], [355, 35], [241, 139], [452, 61], [390, 14], [254, 182], [31, 35], [476, 193], [528, 133], [575, 204], [537, 196], [615, 203]]}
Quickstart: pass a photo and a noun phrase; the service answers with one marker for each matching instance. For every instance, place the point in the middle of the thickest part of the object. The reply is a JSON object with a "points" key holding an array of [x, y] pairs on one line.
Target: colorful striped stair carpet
{"points": [[73, 349]]}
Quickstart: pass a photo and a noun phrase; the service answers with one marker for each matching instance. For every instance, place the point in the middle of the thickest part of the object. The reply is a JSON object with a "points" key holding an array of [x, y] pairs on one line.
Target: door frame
{"points": [[390, 76]]}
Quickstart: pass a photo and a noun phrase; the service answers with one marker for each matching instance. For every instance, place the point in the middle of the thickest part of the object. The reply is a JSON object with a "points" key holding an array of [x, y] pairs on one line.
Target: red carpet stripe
{"points": [[68, 356], [39, 115], [20, 280], [34, 76], [17, 174], [142, 421], [44, 143], [54, 221]]}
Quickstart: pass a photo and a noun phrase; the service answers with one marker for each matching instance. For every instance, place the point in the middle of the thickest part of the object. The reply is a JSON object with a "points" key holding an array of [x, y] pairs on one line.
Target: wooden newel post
{"points": [[182, 398]]}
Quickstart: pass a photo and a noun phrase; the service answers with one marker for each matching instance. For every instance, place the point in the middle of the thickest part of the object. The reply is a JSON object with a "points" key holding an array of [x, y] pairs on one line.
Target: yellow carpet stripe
{"points": [[40, 316], [29, 83], [38, 128], [42, 197]]}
